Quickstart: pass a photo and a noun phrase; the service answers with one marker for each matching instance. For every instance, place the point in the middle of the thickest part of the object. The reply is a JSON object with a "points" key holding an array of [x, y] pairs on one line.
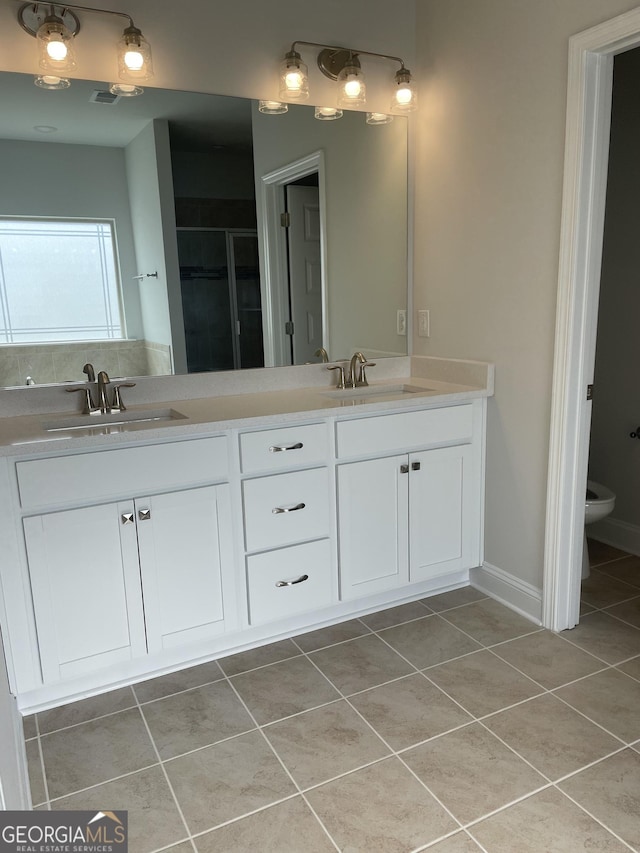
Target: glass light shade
{"points": [[327, 113], [134, 57], [405, 96], [351, 87], [379, 118], [125, 90], [272, 108], [50, 81], [55, 46], [294, 80]]}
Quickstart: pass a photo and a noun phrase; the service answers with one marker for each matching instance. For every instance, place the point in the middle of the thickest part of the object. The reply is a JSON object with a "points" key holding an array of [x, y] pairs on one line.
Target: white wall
{"points": [[614, 459], [488, 202], [366, 212], [52, 179]]}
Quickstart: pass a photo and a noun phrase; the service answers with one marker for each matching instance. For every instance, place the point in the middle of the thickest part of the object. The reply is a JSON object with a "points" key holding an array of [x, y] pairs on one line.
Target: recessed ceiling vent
{"points": [[103, 96]]}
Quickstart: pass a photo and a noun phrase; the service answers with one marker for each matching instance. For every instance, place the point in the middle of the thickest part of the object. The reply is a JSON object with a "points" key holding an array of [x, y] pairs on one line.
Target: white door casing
{"points": [[585, 177]]}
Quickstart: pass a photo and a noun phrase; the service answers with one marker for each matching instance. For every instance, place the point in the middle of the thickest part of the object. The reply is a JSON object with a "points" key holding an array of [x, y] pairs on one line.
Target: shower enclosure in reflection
{"points": [[220, 287]]}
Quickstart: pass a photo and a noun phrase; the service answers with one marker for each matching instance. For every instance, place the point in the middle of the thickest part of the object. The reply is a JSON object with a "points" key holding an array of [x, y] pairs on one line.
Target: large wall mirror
{"points": [[146, 235]]}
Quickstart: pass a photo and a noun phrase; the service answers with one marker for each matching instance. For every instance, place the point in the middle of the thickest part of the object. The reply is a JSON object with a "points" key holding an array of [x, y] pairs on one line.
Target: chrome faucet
{"points": [[323, 354], [357, 376], [103, 400], [89, 370]]}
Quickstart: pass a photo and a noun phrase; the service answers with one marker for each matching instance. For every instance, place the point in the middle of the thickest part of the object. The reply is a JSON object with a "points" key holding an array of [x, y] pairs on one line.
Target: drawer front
{"points": [[117, 473], [289, 447], [286, 508], [289, 581], [390, 433]]}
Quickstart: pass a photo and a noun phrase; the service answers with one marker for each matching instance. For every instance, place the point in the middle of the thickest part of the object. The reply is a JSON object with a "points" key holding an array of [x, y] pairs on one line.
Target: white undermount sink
{"points": [[374, 391], [124, 420]]}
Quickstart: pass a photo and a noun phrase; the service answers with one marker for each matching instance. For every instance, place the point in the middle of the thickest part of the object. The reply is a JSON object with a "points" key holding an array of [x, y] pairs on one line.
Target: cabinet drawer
{"points": [[289, 581], [284, 447], [286, 508], [390, 433], [116, 473]]}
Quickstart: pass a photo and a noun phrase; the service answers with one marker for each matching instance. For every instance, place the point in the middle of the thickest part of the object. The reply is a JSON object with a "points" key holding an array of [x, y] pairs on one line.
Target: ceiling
{"points": [[197, 121]]}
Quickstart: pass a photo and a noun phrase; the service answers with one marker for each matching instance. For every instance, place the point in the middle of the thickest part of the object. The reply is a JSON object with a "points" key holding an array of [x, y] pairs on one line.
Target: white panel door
{"points": [[373, 525], [86, 589], [184, 541], [440, 512], [305, 271]]}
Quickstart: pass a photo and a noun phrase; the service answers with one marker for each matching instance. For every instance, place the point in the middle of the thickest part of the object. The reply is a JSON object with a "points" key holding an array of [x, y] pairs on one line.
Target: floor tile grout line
{"points": [[392, 752], [576, 646], [297, 654], [328, 646], [104, 782], [620, 618], [43, 770], [165, 774], [174, 693], [597, 819], [589, 719], [280, 760], [91, 720], [591, 764]]}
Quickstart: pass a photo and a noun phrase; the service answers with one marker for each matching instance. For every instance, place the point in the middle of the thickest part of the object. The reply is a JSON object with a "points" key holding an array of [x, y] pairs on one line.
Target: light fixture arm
{"points": [[350, 50], [63, 8]]}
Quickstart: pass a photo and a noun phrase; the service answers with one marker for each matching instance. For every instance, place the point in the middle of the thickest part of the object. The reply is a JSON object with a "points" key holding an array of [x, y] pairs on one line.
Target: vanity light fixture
{"points": [[272, 108], [343, 65], [327, 113], [55, 27]]}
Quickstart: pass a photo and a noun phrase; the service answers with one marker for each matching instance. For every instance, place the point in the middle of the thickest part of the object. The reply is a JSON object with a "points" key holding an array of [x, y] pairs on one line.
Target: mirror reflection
{"points": [[147, 235]]}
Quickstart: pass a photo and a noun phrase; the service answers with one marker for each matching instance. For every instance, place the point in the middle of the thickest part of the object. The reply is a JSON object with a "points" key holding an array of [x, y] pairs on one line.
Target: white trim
{"points": [[586, 152], [509, 590], [273, 282], [620, 534]]}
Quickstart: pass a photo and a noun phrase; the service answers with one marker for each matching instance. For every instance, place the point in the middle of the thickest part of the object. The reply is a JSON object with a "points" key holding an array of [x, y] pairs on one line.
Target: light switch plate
{"points": [[401, 322], [424, 324]]}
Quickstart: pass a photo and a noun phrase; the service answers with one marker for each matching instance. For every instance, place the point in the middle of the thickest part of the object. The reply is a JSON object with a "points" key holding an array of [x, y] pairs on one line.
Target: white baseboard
{"points": [[517, 594], [620, 534]]}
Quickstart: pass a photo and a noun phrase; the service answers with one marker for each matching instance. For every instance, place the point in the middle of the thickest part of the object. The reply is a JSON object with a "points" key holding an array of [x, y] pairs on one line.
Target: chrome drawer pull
{"points": [[291, 583], [278, 509], [144, 514], [277, 448], [127, 518]]}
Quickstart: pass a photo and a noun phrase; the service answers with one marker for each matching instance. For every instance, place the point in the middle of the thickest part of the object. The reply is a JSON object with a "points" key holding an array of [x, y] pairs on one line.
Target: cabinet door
{"points": [[86, 590], [185, 544], [440, 516], [372, 525]]}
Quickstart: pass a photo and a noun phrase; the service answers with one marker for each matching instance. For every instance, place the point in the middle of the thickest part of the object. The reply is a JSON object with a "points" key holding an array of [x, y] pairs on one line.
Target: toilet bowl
{"points": [[599, 504]]}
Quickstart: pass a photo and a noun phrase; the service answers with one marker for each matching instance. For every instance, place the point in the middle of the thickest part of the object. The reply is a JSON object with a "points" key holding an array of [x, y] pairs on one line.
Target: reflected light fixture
{"points": [[343, 65], [272, 108], [327, 113], [379, 118], [55, 27]]}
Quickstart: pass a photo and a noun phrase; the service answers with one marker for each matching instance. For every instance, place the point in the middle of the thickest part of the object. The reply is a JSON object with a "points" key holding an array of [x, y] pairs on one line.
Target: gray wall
{"points": [[614, 459]]}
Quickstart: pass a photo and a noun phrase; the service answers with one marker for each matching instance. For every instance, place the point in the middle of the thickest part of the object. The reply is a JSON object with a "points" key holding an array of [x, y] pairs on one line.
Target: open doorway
{"points": [[591, 61]]}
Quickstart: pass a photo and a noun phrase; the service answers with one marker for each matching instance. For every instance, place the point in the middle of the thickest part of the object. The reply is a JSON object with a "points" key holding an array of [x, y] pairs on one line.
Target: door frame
{"points": [[589, 97], [273, 254]]}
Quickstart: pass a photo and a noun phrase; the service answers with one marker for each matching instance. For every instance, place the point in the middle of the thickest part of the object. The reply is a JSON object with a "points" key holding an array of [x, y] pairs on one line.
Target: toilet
{"points": [[599, 504]]}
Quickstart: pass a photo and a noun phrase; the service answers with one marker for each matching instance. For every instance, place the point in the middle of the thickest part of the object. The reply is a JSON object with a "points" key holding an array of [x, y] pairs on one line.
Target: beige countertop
{"points": [[32, 433]]}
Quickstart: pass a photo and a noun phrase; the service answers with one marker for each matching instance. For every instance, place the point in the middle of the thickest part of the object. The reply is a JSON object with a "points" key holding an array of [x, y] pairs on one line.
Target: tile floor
{"points": [[450, 724]]}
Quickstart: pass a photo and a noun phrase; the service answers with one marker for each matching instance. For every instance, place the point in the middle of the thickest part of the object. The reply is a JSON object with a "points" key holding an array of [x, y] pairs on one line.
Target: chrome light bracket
{"points": [[332, 60], [31, 16]]}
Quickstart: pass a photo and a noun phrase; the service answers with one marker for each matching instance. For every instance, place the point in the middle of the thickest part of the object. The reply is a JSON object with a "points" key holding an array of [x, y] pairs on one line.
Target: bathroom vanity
{"points": [[136, 547]]}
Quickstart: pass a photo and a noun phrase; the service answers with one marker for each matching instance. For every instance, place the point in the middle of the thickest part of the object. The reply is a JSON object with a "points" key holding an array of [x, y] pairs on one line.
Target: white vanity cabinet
{"points": [[408, 517], [115, 581]]}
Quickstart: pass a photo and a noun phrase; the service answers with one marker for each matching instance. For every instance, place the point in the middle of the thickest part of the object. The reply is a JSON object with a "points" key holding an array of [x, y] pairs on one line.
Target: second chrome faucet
{"points": [[104, 406]]}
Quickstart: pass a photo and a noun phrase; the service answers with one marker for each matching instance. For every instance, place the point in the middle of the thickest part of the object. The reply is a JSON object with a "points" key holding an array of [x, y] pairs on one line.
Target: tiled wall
{"points": [[64, 362]]}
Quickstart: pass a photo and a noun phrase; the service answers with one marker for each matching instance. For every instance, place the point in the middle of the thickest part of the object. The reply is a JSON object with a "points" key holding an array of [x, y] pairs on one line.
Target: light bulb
{"points": [[134, 60], [294, 82], [351, 84], [405, 97], [352, 88], [57, 49]]}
